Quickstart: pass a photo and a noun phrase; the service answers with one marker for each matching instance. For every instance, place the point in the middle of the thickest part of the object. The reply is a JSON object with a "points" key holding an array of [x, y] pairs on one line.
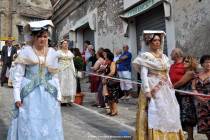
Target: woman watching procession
{"points": [[67, 74], [158, 115], [111, 88], [186, 102], [36, 91], [201, 84]]}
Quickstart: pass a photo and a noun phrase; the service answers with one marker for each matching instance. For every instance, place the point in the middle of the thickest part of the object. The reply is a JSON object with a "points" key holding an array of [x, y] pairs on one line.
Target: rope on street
{"points": [[138, 83]]}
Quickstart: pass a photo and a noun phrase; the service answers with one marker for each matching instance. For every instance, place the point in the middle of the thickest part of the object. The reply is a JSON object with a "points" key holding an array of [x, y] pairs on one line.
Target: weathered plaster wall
{"points": [[4, 13], [192, 26], [63, 27], [46, 4], [16, 17], [109, 28]]}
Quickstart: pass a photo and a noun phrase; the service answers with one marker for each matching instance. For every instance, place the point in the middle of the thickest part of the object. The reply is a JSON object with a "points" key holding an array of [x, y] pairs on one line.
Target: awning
{"points": [[89, 19], [141, 8]]}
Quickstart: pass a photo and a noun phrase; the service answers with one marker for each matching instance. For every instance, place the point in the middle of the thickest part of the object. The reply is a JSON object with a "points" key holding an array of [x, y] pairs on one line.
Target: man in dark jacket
{"points": [[7, 54]]}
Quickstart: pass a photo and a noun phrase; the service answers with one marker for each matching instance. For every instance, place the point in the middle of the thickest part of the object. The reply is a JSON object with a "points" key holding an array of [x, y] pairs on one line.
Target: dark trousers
{"points": [[101, 101], [3, 72]]}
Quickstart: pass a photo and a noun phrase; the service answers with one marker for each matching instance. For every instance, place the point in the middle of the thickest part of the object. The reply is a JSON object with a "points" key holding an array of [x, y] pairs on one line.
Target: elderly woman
{"points": [[97, 80], [36, 91], [67, 75], [201, 84], [161, 120]]}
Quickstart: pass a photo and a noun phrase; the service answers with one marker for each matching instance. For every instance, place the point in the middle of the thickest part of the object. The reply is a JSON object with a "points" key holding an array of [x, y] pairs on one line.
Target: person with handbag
{"points": [[111, 88]]}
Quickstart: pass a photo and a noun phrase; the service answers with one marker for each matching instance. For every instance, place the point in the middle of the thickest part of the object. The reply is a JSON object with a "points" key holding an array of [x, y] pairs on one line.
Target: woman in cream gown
{"points": [[67, 74], [158, 111]]}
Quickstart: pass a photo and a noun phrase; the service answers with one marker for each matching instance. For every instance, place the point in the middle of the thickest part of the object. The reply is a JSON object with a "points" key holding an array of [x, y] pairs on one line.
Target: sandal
{"points": [[114, 114]]}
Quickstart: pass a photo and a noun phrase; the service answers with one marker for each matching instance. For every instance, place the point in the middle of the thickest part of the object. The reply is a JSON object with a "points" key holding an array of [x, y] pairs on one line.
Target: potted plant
{"points": [[78, 63]]}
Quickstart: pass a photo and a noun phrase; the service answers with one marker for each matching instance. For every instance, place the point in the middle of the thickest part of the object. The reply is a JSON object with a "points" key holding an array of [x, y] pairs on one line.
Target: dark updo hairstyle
{"points": [[87, 42], [76, 52], [107, 50], [39, 33], [159, 35], [64, 41], [100, 52], [204, 58], [110, 56]]}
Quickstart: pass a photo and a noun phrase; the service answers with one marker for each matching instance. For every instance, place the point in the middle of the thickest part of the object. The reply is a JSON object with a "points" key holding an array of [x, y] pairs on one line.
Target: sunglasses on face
{"points": [[186, 61]]}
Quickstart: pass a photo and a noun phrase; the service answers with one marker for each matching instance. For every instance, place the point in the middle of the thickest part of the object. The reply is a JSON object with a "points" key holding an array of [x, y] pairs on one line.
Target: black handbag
{"points": [[113, 82]]}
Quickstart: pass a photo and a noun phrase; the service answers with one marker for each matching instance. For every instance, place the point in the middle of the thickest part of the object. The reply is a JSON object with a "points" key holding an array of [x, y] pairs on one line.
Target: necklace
{"points": [[42, 64], [64, 51], [156, 55]]}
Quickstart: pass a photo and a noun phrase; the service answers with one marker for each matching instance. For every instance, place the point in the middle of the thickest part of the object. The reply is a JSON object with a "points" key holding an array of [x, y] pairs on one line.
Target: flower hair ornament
{"points": [[148, 36]]}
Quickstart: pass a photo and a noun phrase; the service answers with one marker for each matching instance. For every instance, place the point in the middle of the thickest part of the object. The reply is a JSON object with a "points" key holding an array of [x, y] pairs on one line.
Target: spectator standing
{"points": [[97, 81], [118, 53], [201, 84], [8, 51], [177, 69], [93, 79], [187, 105], [85, 53], [111, 87], [124, 71]]}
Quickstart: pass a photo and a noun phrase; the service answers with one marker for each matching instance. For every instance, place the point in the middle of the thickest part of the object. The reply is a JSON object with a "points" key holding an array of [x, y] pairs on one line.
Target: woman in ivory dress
{"points": [[36, 115], [67, 73], [158, 113]]}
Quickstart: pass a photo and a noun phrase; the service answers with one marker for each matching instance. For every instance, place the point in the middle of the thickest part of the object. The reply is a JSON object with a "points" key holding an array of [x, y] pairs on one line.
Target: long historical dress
{"points": [[159, 118], [67, 76], [36, 85]]}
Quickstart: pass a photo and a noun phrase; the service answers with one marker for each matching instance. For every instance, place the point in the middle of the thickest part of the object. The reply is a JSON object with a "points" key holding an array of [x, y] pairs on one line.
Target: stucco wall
{"points": [[16, 18], [4, 6], [192, 26], [109, 28]]}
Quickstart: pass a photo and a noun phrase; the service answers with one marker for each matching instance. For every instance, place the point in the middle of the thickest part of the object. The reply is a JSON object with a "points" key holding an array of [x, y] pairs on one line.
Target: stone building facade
{"points": [[97, 21], [14, 14], [112, 23], [192, 26]]}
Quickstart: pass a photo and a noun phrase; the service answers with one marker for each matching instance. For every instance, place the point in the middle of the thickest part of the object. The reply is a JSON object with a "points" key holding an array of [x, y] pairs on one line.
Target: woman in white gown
{"points": [[36, 115], [158, 116], [67, 74]]}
